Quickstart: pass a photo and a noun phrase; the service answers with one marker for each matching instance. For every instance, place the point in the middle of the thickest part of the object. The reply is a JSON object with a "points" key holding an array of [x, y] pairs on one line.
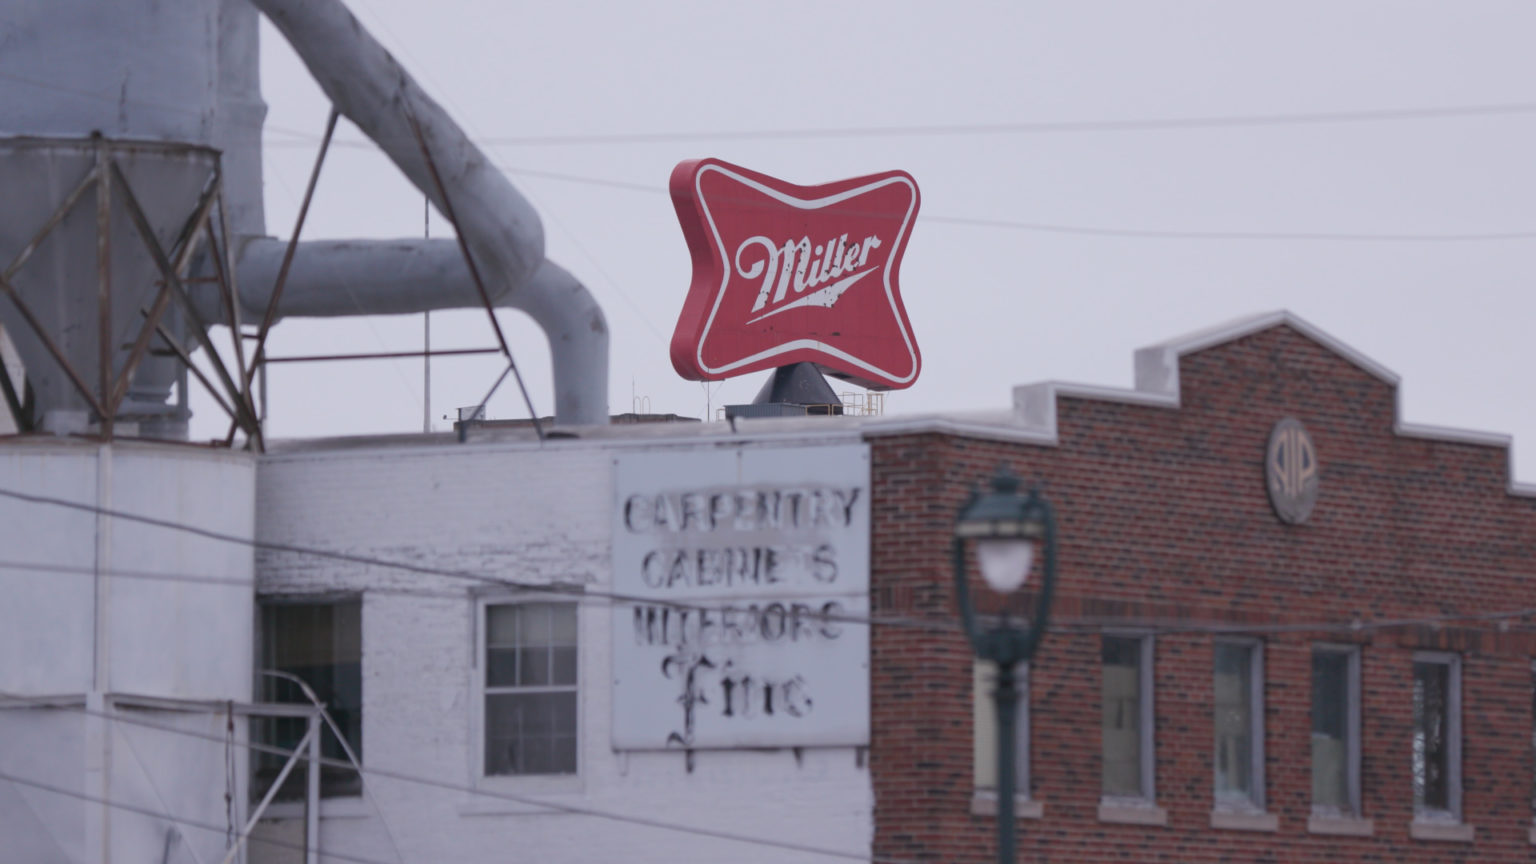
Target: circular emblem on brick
{"points": [[1290, 471]]}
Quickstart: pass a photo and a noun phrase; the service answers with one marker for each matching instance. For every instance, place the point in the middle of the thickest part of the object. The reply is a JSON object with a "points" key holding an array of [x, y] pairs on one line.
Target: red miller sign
{"points": [[785, 273]]}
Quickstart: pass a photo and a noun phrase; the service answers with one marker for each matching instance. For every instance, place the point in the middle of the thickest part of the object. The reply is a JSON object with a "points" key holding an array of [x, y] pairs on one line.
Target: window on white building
{"points": [[1437, 736], [1336, 730], [530, 688], [321, 643], [1239, 723], [984, 722], [1127, 717]]}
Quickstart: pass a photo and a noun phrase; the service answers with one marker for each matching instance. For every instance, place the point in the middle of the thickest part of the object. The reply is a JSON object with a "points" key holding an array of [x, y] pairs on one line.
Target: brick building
{"points": [[1219, 684]]}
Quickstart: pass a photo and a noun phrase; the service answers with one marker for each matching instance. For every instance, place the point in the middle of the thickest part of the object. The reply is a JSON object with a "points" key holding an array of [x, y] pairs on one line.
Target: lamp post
{"points": [[1003, 527]]}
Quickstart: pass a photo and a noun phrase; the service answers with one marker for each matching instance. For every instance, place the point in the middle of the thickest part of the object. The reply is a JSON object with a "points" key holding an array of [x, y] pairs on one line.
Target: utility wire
{"points": [[580, 594], [1079, 230], [1024, 127], [179, 820], [558, 589], [1096, 231], [556, 806], [1149, 124], [299, 138], [581, 597]]}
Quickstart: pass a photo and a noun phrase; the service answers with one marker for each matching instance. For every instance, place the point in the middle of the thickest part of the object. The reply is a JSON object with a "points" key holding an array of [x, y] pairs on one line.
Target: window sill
{"points": [[1132, 813], [350, 807], [984, 803], [1448, 832], [1341, 826], [1244, 820]]}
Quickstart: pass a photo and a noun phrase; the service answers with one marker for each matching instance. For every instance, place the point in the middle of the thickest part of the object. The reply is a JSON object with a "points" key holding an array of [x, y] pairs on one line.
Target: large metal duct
{"points": [[184, 74]]}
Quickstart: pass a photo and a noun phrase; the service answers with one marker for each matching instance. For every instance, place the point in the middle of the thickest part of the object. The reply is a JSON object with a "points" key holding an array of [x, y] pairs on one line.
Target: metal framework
{"points": [[307, 751], [104, 397], [240, 392]]}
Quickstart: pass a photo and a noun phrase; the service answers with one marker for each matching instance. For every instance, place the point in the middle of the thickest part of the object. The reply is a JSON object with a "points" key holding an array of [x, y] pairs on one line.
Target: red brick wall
{"points": [[1163, 515]]}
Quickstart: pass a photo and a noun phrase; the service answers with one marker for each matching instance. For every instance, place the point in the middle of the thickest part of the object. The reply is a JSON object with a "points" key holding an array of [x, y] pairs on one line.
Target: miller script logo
{"points": [[785, 273]]}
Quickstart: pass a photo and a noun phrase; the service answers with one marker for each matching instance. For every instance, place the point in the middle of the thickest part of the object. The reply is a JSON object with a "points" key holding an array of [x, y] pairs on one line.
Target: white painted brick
{"points": [[533, 516]]}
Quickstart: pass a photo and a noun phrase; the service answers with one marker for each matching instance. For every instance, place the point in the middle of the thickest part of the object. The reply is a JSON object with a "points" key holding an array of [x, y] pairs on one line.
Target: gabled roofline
{"points": [[1158, 386], [1157, 366]]}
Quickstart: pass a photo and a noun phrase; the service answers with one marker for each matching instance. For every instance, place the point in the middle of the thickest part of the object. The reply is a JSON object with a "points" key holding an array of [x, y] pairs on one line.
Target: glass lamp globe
{"points": [[1004, 562]]}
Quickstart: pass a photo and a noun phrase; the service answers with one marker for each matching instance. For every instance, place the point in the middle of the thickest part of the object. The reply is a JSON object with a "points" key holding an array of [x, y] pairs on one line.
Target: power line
{"points": [[179, 820], [1027, 127], [1079, 230], [302, 138], [558, 806], [581, 594], [1022, 127], [558, 589], [1100, 231]]}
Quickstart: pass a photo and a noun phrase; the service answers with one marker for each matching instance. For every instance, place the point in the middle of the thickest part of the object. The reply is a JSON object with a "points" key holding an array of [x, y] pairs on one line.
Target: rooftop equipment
{"points": [[132, 219]]}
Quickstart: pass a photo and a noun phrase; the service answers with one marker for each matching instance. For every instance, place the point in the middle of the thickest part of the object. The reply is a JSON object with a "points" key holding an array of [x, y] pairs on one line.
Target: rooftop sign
{"points": [[784, 274]]}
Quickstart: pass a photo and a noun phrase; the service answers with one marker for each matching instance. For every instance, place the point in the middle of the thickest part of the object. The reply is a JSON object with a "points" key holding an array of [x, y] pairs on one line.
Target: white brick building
{"points": [[531, 514]]}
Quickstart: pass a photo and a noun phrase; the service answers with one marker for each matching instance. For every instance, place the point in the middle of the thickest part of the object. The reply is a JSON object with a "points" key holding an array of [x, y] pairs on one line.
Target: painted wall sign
{"points": [[785, 273], [1290, 471], [744, 564]]}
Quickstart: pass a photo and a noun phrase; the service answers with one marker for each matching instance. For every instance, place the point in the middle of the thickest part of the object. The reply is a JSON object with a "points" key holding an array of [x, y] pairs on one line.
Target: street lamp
{"points": [[1003, 527]]}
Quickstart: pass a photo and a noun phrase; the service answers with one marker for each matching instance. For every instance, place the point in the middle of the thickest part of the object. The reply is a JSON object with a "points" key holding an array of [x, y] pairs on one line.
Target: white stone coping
{"points": [[984, 803]]}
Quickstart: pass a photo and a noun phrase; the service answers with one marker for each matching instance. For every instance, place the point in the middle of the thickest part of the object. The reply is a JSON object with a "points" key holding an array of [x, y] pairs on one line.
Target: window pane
{"points": [[1431, 686], [500, 667], [1234, 721], [501, 625], [531, 645], [532, 624], [1121, 724], [320, 643], [563, 661], [533, 665], [1330, 729], [530, 733]]}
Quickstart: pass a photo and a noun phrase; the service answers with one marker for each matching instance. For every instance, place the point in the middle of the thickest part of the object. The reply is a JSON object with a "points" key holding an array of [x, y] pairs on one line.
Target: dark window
{"points": [[320, 643], [1238, 721], [1332, 747], [1432, 730], [1126, 719]]}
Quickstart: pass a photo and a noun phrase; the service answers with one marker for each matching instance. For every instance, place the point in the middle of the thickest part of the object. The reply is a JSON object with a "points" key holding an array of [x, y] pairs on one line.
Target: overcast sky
{"points": [[1044, 249]]}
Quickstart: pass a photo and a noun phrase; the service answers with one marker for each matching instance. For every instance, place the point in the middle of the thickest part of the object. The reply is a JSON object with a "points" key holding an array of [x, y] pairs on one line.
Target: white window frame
{"points": [[1352, 693], [984, 753], [1255, 800], [1146, 723], [1452, 814], [476, 763]]}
